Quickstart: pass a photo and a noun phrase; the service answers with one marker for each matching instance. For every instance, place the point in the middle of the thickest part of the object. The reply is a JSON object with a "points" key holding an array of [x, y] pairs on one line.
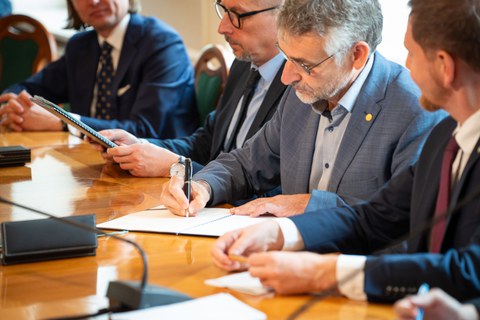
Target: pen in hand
{"points": [[187, 186]]}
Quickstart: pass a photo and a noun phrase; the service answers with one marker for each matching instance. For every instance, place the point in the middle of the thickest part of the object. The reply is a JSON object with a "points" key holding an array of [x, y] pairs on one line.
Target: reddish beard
{"points": [[428, 105]]}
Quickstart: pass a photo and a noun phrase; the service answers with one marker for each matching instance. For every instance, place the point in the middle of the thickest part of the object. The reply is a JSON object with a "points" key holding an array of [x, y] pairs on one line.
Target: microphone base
{"points": [[127, 295]]}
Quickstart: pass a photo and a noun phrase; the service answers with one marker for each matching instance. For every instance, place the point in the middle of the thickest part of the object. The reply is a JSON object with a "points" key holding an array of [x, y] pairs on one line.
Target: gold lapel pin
{"points": [[368, 117]]}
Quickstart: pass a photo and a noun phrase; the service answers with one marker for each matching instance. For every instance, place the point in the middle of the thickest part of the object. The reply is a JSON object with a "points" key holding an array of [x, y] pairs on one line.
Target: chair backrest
{"points": [[210, 77], [25, 48]]}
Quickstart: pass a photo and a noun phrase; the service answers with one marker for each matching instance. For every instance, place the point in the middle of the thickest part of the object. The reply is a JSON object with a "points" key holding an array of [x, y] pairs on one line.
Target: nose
{"points": [[290, 73], [225, 26]]}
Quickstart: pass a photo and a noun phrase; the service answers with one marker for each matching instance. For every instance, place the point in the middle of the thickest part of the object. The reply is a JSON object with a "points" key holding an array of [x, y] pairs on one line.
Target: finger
{"points": [[107, 157], [222, 258], [107, 134], [175, 187], [24, 99], [170, 202], [7, 96], [405, 310], [120, 151], [13, 106], [12, 118], [15, 127], [243, 210], [242, 243]]}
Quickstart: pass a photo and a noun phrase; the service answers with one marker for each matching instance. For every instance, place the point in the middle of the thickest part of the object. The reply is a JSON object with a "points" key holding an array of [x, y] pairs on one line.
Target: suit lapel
{"points": [[129, 50], [474, 158], [358, 126], [453, 218], [88, 56], [306, 150], [225, 115], [274, 93]]}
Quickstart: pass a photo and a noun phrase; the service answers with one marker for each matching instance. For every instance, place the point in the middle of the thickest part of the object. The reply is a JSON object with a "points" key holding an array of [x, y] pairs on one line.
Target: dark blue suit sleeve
{"points": [[390, 277], [361, 229]]}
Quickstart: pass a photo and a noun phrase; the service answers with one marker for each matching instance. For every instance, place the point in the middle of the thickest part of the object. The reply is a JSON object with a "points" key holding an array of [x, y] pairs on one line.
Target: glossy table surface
{"points": [[68, 177]]}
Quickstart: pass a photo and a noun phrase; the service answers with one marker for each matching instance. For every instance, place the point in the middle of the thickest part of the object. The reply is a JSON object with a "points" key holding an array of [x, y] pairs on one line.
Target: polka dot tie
{"points": [[104, 108]]}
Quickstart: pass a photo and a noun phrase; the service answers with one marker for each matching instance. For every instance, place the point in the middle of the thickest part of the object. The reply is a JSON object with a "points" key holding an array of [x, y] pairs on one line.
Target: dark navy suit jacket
{"points": [[207, 142], [405, 204], [153, 82]]}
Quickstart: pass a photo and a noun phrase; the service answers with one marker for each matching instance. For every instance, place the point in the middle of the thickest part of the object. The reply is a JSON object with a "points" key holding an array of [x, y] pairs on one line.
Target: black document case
{"points": [[47, 239]]}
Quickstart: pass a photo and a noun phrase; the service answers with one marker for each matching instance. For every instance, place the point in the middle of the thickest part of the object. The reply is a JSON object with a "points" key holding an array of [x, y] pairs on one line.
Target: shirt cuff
{"points": [[293, 240], [351, 277]]}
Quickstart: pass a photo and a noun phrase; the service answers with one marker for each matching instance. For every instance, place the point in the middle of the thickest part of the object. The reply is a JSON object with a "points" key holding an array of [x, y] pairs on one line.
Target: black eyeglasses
{"points": [[303, 66], [236, 17]]}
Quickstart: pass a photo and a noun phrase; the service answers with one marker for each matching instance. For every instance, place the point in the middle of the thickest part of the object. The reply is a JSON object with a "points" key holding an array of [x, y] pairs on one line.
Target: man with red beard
{"points": [[250, 29], [349, 122]]}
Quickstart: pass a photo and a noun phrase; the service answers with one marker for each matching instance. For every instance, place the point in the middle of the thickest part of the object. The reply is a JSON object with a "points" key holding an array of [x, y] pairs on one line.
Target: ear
{"points": [[445, 67], [361, 50]]}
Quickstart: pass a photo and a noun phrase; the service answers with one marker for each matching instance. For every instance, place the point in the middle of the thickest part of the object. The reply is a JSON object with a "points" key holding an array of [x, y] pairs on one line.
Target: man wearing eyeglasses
{"points": [[250, 29], [350, 121]]}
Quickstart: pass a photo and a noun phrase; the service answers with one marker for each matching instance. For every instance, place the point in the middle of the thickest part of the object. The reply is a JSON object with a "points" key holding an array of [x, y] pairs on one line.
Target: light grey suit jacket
{"points": [[370, 153]]}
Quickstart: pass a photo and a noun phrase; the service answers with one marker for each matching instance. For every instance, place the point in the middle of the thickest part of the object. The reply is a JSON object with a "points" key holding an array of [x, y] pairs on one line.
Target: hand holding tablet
{"points": [[67, 118]]}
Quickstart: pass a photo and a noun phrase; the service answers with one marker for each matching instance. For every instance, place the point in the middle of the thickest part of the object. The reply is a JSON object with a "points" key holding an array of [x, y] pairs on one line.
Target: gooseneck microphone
{"points": [[416, 232], [123, 295]]}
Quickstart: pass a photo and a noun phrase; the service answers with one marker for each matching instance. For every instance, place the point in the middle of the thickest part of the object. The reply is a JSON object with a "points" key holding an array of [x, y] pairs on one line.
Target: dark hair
{"points": [[453, 26], [74, 21], [345, 22]]}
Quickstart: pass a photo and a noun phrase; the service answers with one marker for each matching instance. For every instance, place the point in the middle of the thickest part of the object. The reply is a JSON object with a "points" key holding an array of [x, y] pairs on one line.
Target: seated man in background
{"points": [[252, 40], [435, 202], [350, 121], [437, 305], [129, 72]]}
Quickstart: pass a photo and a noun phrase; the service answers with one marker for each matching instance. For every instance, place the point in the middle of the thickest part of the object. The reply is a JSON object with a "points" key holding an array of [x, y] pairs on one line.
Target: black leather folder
{"points": [[47, 239]]}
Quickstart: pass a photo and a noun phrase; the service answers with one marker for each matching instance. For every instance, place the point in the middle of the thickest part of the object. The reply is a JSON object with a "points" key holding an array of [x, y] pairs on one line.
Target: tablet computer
{"points": [[67, 118]]}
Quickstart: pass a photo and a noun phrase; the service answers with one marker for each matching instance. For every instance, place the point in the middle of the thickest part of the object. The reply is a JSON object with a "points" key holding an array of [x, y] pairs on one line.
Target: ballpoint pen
{"points": [[187, 186], [423, 290]]}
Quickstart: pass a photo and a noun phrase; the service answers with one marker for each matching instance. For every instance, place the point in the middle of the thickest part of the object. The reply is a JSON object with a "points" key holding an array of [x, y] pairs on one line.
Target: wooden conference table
{"points": [[68, 177]]}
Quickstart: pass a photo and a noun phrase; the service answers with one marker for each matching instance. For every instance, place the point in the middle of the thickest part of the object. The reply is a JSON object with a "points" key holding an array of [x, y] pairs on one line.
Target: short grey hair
{"points": [[342, 22]]}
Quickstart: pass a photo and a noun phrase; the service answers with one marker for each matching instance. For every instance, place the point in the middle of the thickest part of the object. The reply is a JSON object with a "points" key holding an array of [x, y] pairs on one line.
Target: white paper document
{"points": [[208, 222], [242, 282], [219, 306]]}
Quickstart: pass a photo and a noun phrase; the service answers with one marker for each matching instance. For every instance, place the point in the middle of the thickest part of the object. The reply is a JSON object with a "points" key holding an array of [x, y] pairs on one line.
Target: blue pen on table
{"points": [[187, 186], [423, 290]]}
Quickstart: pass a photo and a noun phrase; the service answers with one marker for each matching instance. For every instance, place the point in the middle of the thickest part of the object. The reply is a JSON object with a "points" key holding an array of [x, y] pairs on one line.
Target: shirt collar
{"points": [[115, 39], [269, 69], [468, 134]]}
